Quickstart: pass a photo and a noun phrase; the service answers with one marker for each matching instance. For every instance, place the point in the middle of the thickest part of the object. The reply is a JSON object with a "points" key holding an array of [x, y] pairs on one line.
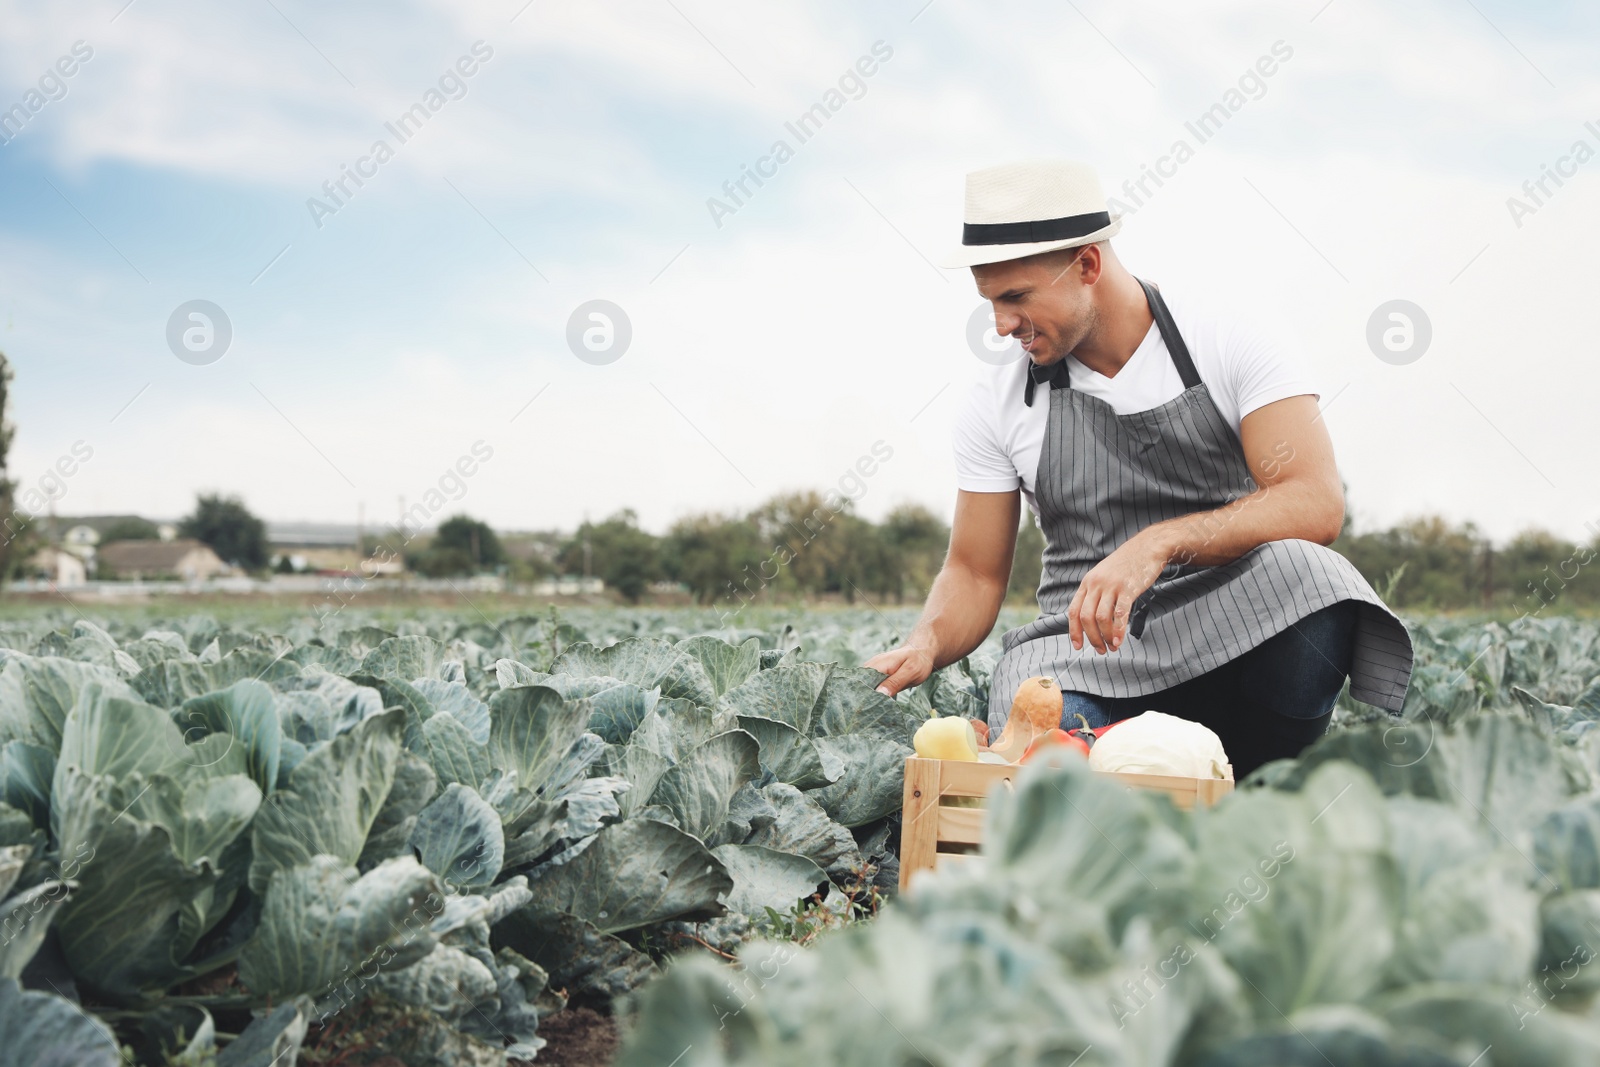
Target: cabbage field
{"points": [[413, 838]]}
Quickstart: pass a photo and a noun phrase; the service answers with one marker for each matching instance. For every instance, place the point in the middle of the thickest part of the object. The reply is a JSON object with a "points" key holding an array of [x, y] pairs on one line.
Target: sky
{"points": [[379, 333]]}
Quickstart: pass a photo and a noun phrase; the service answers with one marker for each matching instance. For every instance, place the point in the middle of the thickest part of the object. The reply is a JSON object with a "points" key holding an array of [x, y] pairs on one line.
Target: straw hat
{"points": [[1021, 209]]}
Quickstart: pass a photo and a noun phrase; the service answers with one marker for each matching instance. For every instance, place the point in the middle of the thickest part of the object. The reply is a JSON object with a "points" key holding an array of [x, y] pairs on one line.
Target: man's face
{"points": [[1042, 301]]}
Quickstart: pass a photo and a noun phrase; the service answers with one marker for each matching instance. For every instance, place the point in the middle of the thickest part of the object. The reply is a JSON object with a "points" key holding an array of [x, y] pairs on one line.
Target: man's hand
{"points": [[1100, 608], [966, 596], [906, 666]]}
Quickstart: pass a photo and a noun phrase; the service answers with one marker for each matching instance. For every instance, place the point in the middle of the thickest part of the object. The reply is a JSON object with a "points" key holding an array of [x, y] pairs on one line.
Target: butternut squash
{"points": [[1035, 709]]}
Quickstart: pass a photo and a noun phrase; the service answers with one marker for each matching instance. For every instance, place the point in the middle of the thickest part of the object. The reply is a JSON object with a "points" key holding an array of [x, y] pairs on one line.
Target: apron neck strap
{"points": [[1170, 335], [1056, 374]]}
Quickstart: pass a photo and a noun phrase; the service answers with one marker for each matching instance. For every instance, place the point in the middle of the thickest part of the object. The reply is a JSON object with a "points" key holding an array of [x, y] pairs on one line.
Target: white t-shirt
{"points": [[998, 439]]}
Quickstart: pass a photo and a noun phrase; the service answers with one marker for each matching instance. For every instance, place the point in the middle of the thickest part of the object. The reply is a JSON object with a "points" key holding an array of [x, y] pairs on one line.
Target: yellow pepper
{"points": [[947, 737]]}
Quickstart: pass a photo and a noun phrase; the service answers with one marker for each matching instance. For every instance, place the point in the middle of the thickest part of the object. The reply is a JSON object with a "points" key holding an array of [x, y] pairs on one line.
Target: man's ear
{"points": [[1091, 264]]}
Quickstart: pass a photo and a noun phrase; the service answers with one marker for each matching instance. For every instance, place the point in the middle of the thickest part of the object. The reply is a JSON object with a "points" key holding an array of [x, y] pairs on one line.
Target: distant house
{"points": [[80, 540], [63, 569], [182, 558]]}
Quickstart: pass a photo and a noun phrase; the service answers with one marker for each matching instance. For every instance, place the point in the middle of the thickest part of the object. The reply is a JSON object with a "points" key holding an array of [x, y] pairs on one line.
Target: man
{"points": [[1178, 466]]}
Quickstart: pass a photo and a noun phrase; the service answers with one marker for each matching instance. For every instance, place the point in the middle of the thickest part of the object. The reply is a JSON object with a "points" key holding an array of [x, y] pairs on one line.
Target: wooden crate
{"points": [[934, 834]]}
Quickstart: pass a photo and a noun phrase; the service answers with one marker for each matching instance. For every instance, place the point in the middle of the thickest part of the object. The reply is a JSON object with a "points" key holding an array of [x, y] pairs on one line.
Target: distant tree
{"points": [[1443, 561], [229, 528], [795, 530], [1537, 571], [861, 560], [626, 557], [918, 540], [131, 528], [471, 536], [713, 555], [462, 545], [285, 564]]}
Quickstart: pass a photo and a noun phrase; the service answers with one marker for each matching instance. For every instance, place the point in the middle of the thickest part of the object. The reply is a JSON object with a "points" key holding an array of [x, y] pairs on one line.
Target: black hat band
{"points": [[1035, 232]]}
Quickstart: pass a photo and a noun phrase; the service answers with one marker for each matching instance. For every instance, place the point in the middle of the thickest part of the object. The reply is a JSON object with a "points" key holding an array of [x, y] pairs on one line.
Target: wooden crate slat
{"points": [[1165, 783], [963, 826], [961, 779], [943, 860], [918, 831], [1181, 790]]}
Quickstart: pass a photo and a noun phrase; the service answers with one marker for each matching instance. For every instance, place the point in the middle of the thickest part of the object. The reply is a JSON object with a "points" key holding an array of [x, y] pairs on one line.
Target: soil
{"points": [[578, 1037]]}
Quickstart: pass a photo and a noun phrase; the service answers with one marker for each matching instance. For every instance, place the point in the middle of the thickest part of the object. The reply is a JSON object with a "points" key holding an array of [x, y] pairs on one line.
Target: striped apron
{"points": [[1102, 478]]}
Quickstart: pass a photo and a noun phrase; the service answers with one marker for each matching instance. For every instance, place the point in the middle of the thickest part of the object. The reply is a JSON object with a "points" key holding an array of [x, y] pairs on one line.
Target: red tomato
{"points": [[1051, 738]]}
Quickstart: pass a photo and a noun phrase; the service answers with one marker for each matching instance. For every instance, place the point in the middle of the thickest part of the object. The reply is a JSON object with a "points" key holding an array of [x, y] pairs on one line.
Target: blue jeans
{"points": [[1267, 704]]}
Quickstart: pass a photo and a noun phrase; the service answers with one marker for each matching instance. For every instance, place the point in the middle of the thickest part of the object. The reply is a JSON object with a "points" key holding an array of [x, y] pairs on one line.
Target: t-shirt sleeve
{"points": [[982, 463], [1264, 364]]}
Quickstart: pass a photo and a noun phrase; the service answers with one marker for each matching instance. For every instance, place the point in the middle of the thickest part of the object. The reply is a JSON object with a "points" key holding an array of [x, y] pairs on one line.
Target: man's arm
{"points": [[1298, 496], [966, 596]]}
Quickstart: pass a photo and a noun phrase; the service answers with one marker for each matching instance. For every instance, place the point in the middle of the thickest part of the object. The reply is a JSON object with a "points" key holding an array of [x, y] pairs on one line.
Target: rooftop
{"points": [[149, 555]]}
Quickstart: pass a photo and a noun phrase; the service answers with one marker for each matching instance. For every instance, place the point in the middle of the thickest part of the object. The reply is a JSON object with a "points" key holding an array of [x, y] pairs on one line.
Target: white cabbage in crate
{"points": [[1157, 743]]}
